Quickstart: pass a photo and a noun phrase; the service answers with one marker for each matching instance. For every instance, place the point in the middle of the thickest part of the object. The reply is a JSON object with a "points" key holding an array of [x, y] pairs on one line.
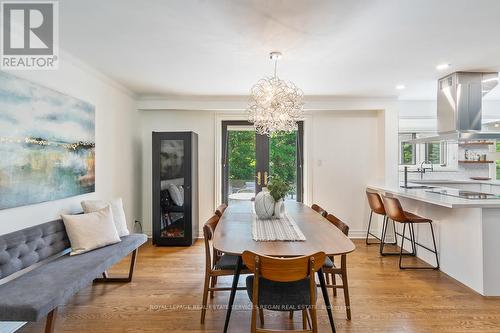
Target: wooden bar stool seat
{"points": [[395, 212]]}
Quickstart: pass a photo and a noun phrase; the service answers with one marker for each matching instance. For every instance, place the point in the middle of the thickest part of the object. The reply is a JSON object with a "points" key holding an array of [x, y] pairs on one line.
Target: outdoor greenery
{"points": [[433, 152], [242, 162], [408, 151], [283, 156], [278, 188], [241, 155]]}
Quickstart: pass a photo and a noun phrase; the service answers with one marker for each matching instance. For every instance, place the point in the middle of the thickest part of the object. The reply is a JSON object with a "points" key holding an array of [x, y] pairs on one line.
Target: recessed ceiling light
{"points": [[400, 87], [442, 67]]}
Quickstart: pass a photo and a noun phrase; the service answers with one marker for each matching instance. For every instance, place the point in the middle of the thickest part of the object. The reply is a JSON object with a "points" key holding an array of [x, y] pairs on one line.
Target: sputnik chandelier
{"points": [[275, 105]]}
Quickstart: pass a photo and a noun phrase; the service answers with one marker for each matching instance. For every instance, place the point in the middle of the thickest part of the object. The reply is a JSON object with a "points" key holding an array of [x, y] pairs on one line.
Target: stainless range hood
{"points": [[459, 107]]}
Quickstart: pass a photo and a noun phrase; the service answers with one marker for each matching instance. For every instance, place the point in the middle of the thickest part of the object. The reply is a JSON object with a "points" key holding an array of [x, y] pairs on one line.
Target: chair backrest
{"points": [[375, 202], [208, 234], [339, 224], [220, 210], [320, 210], [393, 209], [283, 269]]}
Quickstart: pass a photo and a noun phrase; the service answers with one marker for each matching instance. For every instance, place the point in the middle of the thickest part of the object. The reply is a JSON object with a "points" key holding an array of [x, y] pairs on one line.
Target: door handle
{"points": [[258, 178], [265, 178]]}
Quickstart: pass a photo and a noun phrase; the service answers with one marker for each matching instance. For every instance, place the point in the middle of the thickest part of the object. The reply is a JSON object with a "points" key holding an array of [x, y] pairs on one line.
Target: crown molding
{"points": [[75, 61]]}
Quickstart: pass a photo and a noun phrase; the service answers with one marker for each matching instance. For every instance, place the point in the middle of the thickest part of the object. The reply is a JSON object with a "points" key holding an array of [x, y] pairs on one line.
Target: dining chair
{"points": [[216, 265], [331, 270], [319, 210], [283, 284], [220, 210]]}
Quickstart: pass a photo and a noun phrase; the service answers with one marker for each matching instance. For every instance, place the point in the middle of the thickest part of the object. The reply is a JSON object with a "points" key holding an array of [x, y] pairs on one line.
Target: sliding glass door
{"points": [[250, 160]]}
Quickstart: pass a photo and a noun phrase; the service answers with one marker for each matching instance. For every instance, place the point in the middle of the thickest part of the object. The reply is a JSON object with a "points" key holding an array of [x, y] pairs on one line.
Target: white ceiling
{"points": [[330, 47]]}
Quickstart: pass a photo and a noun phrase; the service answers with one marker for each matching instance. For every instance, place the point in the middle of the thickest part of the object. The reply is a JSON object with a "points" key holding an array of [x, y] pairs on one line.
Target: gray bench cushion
{"points": [[33, 295]]}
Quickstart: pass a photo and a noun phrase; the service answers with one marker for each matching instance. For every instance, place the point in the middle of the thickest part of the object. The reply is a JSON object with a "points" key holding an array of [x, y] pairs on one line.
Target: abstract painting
{"points": [[47, 144]]}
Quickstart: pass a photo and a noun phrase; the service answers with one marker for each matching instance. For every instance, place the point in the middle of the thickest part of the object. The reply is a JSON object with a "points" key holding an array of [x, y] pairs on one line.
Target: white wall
{"points": [[117, 144], [346, 149]]}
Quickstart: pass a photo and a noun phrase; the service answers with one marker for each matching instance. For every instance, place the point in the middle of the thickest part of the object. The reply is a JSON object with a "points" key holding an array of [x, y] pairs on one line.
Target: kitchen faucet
{"points": [[422, 169]]}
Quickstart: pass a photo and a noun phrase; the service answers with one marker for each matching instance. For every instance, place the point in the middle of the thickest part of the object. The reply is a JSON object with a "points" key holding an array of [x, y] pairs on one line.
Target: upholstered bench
{"points": [[37, 274]]}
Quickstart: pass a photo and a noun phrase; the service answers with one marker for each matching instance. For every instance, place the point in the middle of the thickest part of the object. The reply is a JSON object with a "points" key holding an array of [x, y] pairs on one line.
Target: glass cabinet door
{"points": [[172, 186]]}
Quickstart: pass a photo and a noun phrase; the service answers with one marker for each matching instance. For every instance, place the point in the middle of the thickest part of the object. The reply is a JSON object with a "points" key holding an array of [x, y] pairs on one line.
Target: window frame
{"points": [[447, 156], [401, 149]]}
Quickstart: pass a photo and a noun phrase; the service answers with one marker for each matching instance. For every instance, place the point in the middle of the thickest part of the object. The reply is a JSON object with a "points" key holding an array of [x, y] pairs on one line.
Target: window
{"points": [[407, 150], [431, 152], [436, 153]]}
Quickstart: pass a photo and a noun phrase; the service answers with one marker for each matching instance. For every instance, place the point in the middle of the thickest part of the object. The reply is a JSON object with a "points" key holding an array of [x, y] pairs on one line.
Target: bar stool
{"points": [[377, 207], [396, 213]]}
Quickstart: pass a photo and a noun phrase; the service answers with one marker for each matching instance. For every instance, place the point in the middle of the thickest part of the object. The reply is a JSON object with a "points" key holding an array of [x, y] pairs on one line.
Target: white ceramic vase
{"points": [[264, 204], [279, 209]]}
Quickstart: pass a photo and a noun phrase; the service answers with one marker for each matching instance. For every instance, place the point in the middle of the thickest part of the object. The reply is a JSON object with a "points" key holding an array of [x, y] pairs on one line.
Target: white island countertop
{"points": [[424, 195]]}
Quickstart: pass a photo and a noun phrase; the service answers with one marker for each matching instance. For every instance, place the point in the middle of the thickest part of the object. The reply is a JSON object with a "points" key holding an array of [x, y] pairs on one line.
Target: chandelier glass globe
{"points": [[275, 105]]}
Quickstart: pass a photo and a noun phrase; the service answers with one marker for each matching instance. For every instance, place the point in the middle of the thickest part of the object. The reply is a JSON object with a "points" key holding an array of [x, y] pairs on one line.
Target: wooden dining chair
{"points": [[331, 270], [319, 210], [283, 284], [216, 264], [220, 210]]}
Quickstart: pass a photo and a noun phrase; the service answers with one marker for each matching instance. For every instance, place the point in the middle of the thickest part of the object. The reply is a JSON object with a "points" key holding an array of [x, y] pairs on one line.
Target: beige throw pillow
{"points": [[90, 231], [119, 218]]}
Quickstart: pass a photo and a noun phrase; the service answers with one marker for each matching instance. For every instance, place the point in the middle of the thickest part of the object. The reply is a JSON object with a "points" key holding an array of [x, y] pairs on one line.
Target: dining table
{"points": [[233, 235]]}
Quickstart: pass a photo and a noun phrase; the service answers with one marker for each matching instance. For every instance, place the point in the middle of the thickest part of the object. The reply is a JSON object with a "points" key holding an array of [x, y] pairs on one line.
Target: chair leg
{"points": [[334, 283], [212, 285], [369, 225], [369, 232], [345, 286], [414, 246], [261, 317], [205, 298], [51, 319], [382, 240], [314, 319], [435, 247], [305, 319], [402, 246], [383, 243]]}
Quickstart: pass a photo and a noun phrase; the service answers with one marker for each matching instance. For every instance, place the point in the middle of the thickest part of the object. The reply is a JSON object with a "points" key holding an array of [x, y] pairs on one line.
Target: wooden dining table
{"points": [[233, 235]]}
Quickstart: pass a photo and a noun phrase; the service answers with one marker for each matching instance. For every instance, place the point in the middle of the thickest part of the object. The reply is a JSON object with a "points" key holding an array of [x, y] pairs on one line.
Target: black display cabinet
{"points": [[175, 188]]}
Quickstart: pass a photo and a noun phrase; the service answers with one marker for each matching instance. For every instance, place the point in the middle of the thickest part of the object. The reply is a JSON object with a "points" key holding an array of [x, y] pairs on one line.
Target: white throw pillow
{"points": [[119, 218], [175, 194], [90, 231]]}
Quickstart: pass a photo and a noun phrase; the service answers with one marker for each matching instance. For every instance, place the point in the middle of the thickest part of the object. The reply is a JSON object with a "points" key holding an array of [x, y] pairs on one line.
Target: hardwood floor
{"points": [[164, 296]]}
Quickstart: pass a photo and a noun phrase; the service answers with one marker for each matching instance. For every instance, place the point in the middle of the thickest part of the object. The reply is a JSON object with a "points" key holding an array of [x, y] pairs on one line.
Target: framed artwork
{"points": [[47, 144]]}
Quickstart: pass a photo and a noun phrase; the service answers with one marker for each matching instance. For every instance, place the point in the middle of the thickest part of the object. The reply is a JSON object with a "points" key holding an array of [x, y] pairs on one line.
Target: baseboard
{"points": [[357, 234]]}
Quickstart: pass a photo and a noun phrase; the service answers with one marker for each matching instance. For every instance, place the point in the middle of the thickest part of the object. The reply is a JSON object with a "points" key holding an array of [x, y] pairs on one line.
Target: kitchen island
{"points": [[467, 233]]}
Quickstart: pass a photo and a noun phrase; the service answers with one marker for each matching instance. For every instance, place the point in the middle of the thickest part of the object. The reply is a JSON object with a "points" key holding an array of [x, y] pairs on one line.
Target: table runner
{"points": [[282, 229]]}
